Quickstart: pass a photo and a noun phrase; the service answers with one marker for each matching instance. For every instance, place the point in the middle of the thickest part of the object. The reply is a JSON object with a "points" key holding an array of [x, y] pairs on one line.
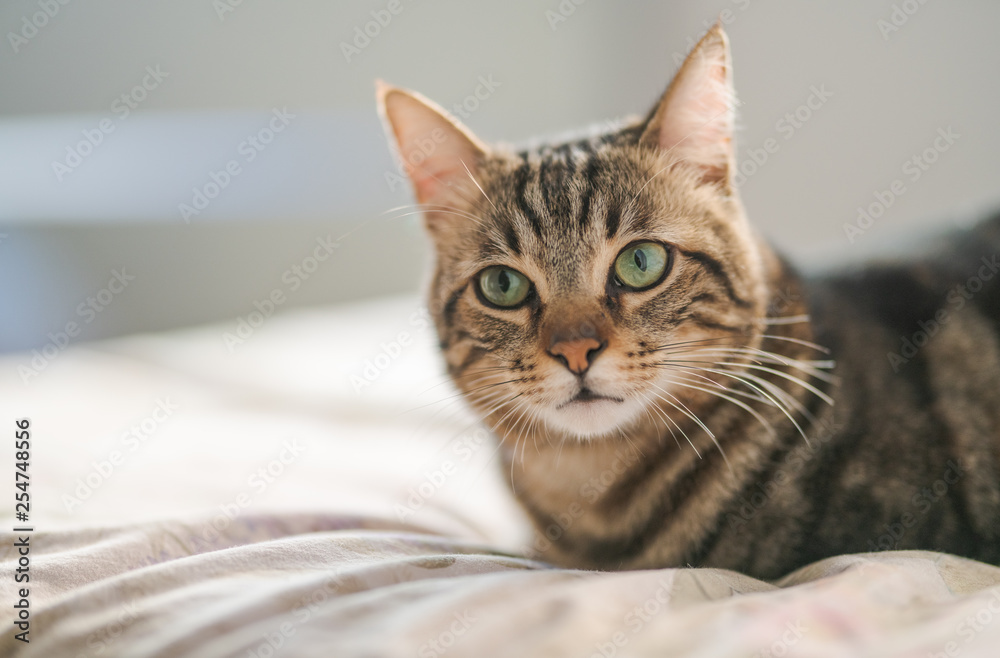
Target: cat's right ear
{"points": [[436, 150], [694, 119]]}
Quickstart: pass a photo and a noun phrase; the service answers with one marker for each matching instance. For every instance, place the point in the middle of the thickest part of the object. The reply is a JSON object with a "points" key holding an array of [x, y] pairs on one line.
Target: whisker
{"points": [[479, 186], [521, 418], [784, 358], [453, 188], [463, 215], [790, 319], [465, 393], [684, 343], [798, 341], [450, 379], [666, 417], [708, 380], [478, 418], [683, 409], [561, 443], [504, 417], [513, 459], [422, 208], [796, 380], [688, 370], [792, 378], [745, 379], [742, 405], [813, 367], [633, 445], [687, 412], [455, 406]]}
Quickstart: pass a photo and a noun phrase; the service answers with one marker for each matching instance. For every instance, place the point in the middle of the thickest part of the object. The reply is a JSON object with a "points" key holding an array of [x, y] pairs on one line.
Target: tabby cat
{"points": [[669, 391]]}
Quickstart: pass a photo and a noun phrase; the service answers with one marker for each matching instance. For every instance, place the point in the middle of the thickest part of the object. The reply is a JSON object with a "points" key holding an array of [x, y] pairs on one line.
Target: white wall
{"points": [[890, 95]]}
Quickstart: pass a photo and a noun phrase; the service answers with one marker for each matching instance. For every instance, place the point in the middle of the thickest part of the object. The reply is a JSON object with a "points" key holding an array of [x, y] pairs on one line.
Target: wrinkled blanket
{"points": [[317, 490]]}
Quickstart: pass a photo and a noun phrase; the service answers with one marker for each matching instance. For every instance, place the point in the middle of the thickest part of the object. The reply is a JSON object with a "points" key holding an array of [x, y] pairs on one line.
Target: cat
{"points": [[667, 389]]}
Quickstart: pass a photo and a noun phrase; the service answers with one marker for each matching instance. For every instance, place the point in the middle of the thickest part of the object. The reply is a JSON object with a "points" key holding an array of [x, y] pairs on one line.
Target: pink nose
{"points": [[577, 354]]}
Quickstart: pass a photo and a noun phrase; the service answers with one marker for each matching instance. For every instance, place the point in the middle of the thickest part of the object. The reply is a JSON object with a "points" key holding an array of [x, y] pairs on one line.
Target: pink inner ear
{"points": [[434, 149], [697, 122], [431, 176], [702, 111], [427, 187]]}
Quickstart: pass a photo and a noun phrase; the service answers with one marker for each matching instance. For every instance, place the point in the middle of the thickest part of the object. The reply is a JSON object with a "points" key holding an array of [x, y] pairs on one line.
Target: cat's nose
{"points": [[577, 354]]}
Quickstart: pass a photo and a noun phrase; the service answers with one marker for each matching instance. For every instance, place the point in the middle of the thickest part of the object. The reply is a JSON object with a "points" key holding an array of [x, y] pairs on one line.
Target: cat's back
{"points": [[917, 349], [914, 299]]}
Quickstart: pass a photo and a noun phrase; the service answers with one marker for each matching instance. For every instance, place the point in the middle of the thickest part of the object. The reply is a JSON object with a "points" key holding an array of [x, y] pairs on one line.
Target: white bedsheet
{"points": [[269, 503]]}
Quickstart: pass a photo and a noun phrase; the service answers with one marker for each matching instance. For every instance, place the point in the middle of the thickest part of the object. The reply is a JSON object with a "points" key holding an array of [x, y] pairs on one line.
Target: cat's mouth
{"points": [[590, 414], [586, 395]]}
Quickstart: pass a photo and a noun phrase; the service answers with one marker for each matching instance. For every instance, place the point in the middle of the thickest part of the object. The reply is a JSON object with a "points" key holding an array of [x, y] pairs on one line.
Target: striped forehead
{"points": [[557, 205]]}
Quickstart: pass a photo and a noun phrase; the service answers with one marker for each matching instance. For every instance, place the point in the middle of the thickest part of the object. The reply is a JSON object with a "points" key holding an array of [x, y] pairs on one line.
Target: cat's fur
{"points": [[616, 466]]}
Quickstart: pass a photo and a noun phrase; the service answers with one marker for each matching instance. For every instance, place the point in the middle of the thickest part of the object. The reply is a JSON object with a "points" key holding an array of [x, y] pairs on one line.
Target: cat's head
{"points": [[567, 275]]}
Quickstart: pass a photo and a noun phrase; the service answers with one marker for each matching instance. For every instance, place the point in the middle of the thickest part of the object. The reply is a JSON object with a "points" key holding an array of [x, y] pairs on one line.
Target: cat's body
{"points": [[668, 391], [906, 458]]}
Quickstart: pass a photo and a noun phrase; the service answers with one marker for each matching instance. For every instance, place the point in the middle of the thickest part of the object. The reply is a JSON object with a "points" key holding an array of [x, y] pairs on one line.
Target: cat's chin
{"points": [[593, 418]]}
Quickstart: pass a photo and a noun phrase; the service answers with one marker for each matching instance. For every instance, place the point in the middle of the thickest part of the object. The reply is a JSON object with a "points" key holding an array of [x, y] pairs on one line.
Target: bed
{"points": [[309, 485]]}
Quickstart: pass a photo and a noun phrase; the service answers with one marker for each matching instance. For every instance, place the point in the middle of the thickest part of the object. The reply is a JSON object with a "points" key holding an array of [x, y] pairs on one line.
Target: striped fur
{"points": [[747, 417]]}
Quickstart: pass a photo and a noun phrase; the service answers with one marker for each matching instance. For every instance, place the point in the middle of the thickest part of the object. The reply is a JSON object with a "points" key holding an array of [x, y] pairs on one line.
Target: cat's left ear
{"points": [[694, 119], [436, 150]]}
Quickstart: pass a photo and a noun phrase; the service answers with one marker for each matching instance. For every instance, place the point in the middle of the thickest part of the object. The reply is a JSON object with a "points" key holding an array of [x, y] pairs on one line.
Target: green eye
{"points": [[503, 286], [641, 265]]}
